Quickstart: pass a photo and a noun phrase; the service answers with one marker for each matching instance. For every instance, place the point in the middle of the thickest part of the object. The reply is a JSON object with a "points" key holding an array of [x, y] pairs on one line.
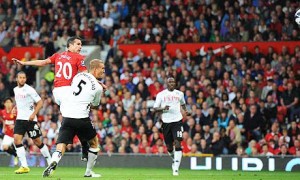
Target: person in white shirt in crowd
{"points": [[107, 24]]}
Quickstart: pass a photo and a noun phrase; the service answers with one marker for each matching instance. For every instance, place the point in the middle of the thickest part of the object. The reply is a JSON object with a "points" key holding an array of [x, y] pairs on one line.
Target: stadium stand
{"points": [[243, 102]]}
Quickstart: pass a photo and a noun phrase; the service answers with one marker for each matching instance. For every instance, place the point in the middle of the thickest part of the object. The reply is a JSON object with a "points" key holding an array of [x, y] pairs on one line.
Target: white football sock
{"points": [[56, 156], [45, 152], [22, 156], [92, 157], [177, 159]]}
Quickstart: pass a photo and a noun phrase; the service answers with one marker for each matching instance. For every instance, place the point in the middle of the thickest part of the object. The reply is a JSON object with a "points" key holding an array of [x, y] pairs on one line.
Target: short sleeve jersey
{"points": [[25, 98], [67, 65], [174, 99], [8, 119], [85, 91]]}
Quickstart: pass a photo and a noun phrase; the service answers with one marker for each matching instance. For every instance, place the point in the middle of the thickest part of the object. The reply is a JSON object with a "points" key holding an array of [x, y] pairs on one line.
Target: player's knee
{"points": [[17, 141], [37, 142], [5, 147], [94, 150], [61, 147], [177, 144]]}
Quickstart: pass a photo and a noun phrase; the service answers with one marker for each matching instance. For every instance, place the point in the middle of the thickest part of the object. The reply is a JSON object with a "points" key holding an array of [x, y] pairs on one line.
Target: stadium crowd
{"points": [[245, 103]]}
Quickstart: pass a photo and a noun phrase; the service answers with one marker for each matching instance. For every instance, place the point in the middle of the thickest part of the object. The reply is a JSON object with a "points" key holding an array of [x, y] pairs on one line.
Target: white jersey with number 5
{"points": [[174, 99], [25, 98], [85, 91]]}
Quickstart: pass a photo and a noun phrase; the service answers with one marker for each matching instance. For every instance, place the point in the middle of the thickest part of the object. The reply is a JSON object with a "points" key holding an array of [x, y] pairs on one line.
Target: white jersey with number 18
{"points": [[84, 92]]}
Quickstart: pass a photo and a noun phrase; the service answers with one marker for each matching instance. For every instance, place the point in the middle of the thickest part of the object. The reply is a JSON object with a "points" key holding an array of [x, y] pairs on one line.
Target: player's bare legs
{"points": [[92, 157], [21, 154], [43, 148]]}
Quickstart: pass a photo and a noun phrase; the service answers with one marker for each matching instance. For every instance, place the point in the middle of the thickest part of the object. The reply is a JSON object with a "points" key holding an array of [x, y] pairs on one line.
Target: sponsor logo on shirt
{"points": [[171, 99]]}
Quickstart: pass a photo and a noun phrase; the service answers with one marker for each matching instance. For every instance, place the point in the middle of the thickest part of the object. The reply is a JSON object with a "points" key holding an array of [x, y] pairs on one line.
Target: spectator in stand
{"points": [[265, 150], [223, 120], [252, 122], [270, 111], [283, 150], [233, 132], [293, 130], [4, 92], [274, 131], [217, 144], [106, 25], [290, 99], [203, 148], [294, 150]]}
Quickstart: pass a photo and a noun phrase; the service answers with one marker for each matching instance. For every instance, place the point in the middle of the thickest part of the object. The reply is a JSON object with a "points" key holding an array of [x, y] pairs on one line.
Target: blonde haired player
{"points": [[85, 93]]}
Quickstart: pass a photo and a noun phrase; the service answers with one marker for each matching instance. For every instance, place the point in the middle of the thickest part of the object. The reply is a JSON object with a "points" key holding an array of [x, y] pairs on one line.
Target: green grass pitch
{"points": [[76, 173]]}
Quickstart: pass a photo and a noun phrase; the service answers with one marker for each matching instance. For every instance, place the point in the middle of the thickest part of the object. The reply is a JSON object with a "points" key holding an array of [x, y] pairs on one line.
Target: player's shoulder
{"points": [[28, 88], [76, 55], [161, 92], [178, 92], [85, 75]]}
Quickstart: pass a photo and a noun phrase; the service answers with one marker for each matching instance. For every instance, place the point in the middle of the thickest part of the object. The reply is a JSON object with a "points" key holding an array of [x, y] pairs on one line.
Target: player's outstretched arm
{"points": [[32, 63]]}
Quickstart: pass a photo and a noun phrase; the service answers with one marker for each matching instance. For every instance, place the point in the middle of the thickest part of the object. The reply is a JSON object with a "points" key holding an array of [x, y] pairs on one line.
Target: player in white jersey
{"points": [[168, 102], [26, 121], [85, 93]]}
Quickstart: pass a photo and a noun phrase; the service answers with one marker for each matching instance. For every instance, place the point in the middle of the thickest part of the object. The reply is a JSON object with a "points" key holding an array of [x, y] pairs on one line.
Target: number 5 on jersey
{"points": [[82, 82]]}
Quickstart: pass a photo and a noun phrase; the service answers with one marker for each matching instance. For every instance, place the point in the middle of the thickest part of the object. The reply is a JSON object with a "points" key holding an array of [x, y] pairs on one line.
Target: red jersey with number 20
{"points": [[8, 120], [67, 65]]}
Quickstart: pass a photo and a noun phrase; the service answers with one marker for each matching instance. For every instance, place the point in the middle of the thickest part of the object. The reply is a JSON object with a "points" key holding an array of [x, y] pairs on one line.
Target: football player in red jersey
{"points": [[8, 117], [67, 65]]}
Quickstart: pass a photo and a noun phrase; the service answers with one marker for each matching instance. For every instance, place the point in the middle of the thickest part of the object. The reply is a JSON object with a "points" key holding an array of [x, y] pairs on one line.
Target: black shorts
{"points": [[31, 127], [172, 131], [70, 127]]}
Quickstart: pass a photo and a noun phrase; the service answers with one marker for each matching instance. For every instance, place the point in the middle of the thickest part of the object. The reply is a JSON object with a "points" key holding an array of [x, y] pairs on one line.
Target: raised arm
{"points": [[33, 63]]}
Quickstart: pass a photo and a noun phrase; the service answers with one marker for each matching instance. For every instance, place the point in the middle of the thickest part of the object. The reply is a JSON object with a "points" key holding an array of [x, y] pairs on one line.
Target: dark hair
{"points": [[72, 39], [8, 98]]}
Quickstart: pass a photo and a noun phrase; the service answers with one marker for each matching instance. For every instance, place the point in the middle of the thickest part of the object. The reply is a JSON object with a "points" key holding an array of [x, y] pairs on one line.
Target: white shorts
{"points": [[7, 140], [59, 93]]}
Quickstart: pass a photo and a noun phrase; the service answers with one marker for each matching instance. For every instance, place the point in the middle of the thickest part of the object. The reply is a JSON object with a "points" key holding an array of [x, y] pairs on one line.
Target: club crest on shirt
{"points": [[82, 63]]}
